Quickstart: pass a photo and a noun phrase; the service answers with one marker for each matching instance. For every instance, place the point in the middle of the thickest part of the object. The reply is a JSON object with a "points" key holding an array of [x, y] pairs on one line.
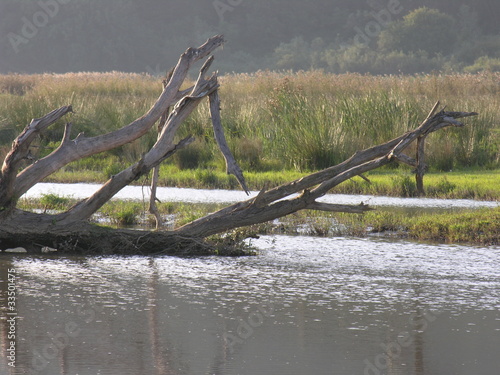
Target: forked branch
{"points": [[271, 204], [19, 152]]}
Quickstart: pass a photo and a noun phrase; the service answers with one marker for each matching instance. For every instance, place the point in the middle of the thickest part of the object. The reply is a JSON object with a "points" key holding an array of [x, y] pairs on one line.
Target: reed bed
{"points": [[274, 120]]}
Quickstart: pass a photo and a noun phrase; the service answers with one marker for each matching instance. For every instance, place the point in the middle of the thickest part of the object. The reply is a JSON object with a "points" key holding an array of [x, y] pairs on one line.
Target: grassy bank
{"points": [[464, 184], [480, 227], [273, 121]]}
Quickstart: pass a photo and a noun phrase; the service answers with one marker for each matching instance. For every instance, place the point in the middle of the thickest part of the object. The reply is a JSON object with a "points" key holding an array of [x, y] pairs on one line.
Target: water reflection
{"points": [[304, 305]]}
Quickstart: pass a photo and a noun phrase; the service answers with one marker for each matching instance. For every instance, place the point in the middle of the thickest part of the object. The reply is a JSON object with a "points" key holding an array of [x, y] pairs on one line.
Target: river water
{"points": [[303, 305], [172, 194]]}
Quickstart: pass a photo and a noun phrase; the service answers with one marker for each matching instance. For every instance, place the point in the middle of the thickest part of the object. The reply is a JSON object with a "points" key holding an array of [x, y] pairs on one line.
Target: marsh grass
{"points": [[305, 120], [480, 226], [54, 202]]}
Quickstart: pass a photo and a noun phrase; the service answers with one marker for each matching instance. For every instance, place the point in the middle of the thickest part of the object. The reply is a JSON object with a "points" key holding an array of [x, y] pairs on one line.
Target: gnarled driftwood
{"points": [[70, 231]]}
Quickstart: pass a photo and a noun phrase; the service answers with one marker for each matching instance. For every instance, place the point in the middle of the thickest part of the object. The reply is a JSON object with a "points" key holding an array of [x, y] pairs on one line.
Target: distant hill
{"points": [[149, 35]]}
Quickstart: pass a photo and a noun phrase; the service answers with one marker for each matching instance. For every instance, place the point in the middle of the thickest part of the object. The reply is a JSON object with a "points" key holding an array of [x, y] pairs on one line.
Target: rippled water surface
{"points": [[302, 306]]}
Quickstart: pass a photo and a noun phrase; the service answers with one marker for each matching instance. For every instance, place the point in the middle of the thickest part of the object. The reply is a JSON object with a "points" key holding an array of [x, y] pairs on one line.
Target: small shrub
{"points": [[54, 202], [126, 217], [193, 156], [443, 187], [206, 177], [122, 213], [248, 152], [404, 186]]}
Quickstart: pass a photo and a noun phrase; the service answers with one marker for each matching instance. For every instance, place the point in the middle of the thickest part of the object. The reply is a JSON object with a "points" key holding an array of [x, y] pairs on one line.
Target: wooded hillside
{"points": [[334, 35]]}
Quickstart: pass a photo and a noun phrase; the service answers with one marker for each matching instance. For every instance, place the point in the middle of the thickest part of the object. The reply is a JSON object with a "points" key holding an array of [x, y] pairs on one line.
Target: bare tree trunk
{"points": [[153, 209], [70, 232]]}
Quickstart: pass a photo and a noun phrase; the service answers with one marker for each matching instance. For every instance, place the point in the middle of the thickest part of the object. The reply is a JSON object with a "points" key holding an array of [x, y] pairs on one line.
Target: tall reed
{"points": [[273, 120]]}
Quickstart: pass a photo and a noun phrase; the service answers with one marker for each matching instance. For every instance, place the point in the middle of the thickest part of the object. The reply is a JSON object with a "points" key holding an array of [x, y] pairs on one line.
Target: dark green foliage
{"points": [[196, 155], [404, 186], [423, 29], [484, 63], [149, 35]]}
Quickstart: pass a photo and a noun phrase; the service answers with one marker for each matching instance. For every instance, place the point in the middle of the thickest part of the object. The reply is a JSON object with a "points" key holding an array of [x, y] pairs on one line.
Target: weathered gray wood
{"points": [[153, 209], [19, 151], [421, 166], [232, 166], [162, 149]]}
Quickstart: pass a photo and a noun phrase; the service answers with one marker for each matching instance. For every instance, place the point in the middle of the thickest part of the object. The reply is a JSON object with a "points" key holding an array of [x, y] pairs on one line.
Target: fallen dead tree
{"points": [[70, 231]]}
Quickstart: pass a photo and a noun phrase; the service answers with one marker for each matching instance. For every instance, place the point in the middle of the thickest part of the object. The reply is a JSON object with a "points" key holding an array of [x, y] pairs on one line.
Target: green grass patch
{"points": [[54, 202], [464, 184], [480, 227]]}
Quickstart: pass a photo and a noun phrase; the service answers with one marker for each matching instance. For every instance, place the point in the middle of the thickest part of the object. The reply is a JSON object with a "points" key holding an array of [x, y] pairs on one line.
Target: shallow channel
{"points": [[172, 194]]}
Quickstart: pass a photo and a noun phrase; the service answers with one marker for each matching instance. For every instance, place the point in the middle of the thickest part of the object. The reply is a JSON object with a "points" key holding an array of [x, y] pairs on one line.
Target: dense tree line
{"points": [[376, 36]]}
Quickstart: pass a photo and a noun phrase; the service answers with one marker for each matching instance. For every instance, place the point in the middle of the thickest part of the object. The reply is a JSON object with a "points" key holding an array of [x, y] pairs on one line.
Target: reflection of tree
{"points": [[161, 356], [399, 348], [166, 357], [419, 353], [418, 330], [63, 361], [223, 352]]}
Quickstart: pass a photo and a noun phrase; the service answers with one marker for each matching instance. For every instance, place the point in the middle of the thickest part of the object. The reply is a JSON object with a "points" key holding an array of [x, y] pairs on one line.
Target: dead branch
{"points": [[19, 151], [272, 205], [153, 209], [232, 166]]}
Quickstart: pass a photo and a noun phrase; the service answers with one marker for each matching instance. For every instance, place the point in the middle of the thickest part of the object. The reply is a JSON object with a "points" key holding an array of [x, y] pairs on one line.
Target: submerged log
{"points": [[70, 231]]}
